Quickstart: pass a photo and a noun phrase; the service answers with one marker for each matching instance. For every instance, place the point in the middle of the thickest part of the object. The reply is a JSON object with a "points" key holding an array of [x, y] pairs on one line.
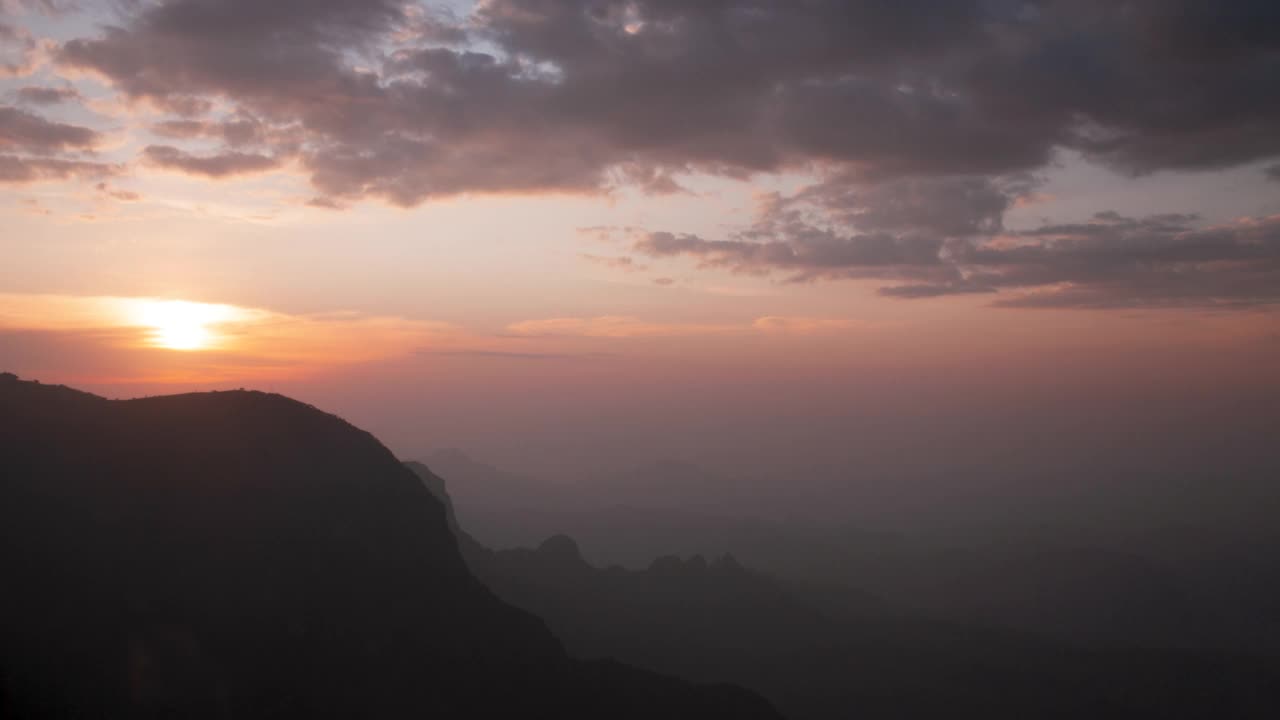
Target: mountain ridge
{"points": [[243, 554], [822, 652]]}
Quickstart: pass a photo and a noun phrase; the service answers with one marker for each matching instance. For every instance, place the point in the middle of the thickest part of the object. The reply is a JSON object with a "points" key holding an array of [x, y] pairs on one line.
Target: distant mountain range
{"points": [[822, 651], [244, 555], [1172, 587]]}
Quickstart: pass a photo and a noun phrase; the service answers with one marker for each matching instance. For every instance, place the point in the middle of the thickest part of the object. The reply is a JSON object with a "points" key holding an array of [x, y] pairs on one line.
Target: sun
{"points": [[182, 325]]}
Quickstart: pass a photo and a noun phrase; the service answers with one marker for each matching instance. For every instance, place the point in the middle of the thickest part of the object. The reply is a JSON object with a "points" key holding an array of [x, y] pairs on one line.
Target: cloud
{"points": [[618, 327], [239, 130], [923, 123], [324, 203], [806, 253], [30, 146], [624, 263], [39, 95], [46, 7], [392, 101], [121, 195], [946, 236], [1158, 261], [15, 169], [611, 326], [212, 166], [932, 291], [844, 227], [1273, 172], [27, 132], [19, 51], [947, 207], [777, 324], [184, 129]]}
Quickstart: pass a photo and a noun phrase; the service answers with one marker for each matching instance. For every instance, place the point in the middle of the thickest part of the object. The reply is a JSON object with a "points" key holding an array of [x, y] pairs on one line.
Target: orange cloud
{"points": [[806, 325], [610, 326]]}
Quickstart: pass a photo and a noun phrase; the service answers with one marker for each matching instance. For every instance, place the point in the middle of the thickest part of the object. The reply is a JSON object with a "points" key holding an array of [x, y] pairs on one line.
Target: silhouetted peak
{"points": [[673, 565], [726, 562], [560, 546], [15, 387]]}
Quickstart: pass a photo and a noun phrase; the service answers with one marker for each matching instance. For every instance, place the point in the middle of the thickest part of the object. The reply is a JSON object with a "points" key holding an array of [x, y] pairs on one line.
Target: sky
{"points": [[773, 237]]}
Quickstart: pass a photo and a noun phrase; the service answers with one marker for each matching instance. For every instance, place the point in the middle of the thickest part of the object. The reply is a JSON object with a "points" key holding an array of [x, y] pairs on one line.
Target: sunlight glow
{"points": [[182, 325]]}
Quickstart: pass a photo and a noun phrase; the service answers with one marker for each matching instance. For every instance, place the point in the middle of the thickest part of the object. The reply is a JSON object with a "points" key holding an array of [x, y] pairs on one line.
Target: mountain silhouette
{"points": [[242, 555], [822, 657], [1176, 589]]}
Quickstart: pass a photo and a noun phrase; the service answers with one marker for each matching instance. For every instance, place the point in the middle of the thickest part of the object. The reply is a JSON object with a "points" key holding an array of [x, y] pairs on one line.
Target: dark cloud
{"points": [[844, 228], [947, 206], [1109, 261], [27, 132], [30, 146], [184, 129], [324, 203], [1141, 85], [213, 166], [912, 292], [809, 253], [925, 122], [17, 169], [235, 131], [1113, 261], [17, 50], [37, 95], [581, 95], [1273, 172]]}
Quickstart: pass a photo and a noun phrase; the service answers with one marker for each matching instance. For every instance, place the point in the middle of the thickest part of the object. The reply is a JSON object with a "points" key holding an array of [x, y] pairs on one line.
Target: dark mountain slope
{"points": [[240, 554]]}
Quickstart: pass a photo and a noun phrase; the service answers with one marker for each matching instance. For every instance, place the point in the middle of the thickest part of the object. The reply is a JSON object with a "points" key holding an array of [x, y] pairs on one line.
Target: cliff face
{"points": [[240, 554]]}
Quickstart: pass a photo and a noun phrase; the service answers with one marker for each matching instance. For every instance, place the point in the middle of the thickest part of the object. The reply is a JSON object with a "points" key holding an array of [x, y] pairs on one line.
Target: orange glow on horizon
{"points": [[169, 340]]}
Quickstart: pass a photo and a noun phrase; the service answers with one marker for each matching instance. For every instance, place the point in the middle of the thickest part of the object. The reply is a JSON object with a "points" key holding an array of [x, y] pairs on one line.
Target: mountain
{"points": [[823, 652], [1101, 591], [243, 555]]}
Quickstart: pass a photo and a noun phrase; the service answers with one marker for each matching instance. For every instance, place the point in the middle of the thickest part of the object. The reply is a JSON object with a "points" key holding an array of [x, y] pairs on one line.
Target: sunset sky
{"points": [[761, 235]]}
